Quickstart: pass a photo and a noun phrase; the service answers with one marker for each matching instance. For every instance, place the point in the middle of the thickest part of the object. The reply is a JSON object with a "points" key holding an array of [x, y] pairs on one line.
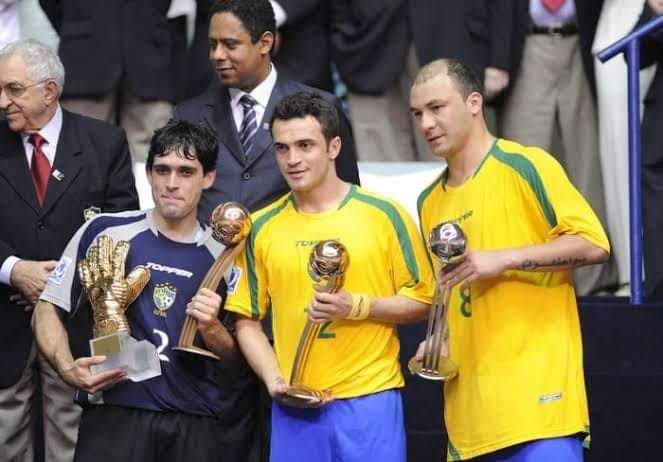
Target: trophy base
{"points": [[198, 352], [139, 359], [304, 397], [446, 369]]}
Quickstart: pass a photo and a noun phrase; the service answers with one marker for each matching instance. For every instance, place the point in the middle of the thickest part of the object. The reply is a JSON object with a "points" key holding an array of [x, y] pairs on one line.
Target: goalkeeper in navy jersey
{"points": [[196, 409]]}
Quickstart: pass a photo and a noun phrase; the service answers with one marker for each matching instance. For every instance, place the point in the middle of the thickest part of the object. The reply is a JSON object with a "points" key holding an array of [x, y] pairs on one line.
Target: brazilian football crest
{"points": [[90, 213], [164, 297]]}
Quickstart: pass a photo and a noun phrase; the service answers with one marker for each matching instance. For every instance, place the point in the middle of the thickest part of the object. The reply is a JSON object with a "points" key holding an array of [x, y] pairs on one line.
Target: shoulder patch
{"points": [[58, 274]]}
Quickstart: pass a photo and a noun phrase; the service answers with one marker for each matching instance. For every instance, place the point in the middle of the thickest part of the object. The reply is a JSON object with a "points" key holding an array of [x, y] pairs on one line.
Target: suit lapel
{"points": [[220, 118], [14, 167], [68, 160], [262, 140]]}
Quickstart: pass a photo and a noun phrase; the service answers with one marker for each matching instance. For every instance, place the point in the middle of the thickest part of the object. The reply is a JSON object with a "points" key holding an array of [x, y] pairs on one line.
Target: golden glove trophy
{"points": [[326, 265], [448, 243], [231, 224], [110, 293]]}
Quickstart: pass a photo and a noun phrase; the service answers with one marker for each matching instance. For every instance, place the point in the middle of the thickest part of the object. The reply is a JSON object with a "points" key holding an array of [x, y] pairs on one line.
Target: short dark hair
{"points": [[306, 103], [194, 141], [463, 76], [257, 16]]}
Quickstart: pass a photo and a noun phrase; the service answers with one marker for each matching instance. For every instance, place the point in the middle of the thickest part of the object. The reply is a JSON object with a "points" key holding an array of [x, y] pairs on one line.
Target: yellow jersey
{"points": [[515, 338], [387, 257]]}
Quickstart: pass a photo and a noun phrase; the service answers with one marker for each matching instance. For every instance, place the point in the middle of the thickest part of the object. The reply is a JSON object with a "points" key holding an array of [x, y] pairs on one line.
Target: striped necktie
{"points": [[249, 123]]}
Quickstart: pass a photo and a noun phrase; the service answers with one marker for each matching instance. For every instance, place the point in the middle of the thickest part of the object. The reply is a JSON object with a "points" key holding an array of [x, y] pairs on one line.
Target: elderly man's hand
{"points": [[29, 277]]}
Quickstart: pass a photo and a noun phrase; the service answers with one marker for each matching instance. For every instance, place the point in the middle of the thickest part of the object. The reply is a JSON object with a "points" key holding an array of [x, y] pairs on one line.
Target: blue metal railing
{"points": [[630, 45]]}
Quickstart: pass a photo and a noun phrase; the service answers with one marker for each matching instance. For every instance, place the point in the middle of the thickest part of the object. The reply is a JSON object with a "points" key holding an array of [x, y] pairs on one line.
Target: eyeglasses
{"points": [[15, 90]]}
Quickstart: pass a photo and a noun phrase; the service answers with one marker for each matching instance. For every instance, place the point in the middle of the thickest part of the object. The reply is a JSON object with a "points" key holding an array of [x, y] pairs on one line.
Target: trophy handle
{"points": [[211, 281]]}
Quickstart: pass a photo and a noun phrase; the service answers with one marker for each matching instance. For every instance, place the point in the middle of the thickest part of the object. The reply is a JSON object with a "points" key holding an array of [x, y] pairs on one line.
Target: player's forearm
{"points": [[51, 337], [397, 310], [218, 339], [563, 253], [258, 352]]}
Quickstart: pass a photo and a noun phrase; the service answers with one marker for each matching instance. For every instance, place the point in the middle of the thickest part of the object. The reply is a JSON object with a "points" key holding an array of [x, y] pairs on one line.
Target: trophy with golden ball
{"points": [[231, 224]]}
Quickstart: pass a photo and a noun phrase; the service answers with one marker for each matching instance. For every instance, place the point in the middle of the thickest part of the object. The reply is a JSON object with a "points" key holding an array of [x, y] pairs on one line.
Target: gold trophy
{"points": [[448, 243], [102, 276], [326, 265], [231, 224]]}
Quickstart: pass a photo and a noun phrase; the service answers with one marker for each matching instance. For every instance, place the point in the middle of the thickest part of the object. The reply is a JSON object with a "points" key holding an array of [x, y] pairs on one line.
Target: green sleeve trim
{"points": [[399, 227], [453, 452], [250, 258], [526, 169]]}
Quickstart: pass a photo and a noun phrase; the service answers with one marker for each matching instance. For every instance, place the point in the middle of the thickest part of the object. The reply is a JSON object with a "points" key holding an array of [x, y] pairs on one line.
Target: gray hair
{"points": [[41, 62]]}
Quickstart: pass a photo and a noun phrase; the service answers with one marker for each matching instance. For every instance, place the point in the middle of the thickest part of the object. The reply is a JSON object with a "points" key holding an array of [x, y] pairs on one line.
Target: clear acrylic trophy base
{"points": [[139, 359], [446, 369]]}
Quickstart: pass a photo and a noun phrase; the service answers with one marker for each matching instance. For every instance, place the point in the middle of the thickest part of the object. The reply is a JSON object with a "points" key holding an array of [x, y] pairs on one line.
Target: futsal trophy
{"points": [[231, 224], [327, 265], [448, 243], [101, 274]]}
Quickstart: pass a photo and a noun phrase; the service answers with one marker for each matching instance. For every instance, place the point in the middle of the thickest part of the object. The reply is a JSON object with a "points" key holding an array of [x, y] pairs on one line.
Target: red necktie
{"points": [[553, 5], [41, 169]]}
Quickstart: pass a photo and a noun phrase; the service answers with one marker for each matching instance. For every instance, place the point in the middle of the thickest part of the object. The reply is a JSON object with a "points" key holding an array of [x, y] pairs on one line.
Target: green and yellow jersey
{"points": [[515, 338], [387, 257]]}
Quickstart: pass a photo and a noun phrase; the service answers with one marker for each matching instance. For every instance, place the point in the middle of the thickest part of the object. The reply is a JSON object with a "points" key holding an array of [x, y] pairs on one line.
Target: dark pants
{"points": [[113, 433]]}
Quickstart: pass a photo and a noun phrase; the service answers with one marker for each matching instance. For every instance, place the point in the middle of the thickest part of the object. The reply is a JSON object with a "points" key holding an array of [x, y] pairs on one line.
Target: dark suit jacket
{"points": [[304, 55], [256, 181], [94, 158], [102, 41], [370, 39]]}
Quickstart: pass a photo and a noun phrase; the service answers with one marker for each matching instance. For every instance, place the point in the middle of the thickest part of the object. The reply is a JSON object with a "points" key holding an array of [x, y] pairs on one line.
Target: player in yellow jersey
{"points": [[513, 321], [355, 354]]}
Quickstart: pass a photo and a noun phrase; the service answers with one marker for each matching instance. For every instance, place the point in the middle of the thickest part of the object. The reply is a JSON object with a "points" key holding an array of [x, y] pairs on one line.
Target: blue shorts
{"points": [[367, 428], [567, 449]]}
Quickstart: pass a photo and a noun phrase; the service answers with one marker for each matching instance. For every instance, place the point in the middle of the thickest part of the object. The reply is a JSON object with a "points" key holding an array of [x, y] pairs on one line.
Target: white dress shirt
{"points": [[261, 94]]}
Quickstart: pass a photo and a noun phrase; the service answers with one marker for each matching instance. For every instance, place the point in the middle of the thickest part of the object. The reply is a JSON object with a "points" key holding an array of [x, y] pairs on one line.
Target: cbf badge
{"points": [[90, 212], [164, 297]]}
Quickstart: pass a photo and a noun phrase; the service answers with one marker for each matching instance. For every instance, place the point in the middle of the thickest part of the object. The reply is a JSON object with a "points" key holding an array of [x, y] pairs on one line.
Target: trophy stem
{"points": [[309, 334], [436, 366], [211, 281]]}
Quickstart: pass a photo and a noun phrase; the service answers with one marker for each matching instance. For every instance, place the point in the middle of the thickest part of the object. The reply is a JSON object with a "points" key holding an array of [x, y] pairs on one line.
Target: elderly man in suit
{"points": [[56, 169], [241, 37]]}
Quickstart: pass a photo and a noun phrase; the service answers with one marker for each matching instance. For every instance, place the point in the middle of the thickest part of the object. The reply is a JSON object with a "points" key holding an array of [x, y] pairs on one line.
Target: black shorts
{"points": [[114, 433]]}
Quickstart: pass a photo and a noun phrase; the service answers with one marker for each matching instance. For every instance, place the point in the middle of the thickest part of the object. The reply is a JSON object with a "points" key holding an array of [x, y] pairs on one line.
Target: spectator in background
{"points": [[378, 47], [56, 169], [551, 102], [302, 51], [119, 60], [652, 158], [20, 19], [617, 18], [241, 37]]}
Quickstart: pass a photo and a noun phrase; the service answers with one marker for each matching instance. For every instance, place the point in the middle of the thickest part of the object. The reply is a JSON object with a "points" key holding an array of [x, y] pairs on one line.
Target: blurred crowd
{"points": [[129, 63]]}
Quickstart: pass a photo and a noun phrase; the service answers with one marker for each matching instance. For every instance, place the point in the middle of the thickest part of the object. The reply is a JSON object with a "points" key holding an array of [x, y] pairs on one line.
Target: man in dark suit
{"points": [[119, 56], [241, 36], [652, 158], [56, 168], [378, 47]]}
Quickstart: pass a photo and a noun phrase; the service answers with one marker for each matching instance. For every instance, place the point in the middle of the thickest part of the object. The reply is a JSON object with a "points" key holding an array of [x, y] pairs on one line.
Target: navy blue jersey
{"points": [[187, 384]]}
